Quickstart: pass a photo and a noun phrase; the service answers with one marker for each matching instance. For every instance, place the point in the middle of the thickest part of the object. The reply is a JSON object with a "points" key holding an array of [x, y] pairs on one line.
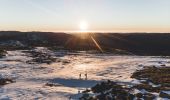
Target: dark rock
{"points": [[148, 96], [4, 81], [163, 65], [139, 95], [138, 99], [40, 57], [164, 95], [131, 97], [102, 96], [52, 84], [85, 97], [2, 53], [121, 97], [86, 91]]}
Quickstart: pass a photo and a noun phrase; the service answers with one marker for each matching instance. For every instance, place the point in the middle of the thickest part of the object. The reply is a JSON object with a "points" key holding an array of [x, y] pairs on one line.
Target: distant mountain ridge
{"points": [[135, 43]]}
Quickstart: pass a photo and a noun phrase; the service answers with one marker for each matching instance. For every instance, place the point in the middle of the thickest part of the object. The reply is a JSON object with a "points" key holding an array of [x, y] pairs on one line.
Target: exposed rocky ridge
{"points": [[152, 80]]}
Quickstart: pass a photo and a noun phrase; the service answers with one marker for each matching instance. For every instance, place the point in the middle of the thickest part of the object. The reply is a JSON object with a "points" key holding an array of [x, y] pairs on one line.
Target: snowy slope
{"points": [[31, 78]]}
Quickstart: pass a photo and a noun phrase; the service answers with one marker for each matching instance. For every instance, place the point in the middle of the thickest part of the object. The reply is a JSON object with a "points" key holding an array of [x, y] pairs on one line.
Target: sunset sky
{"points": [[90, 15]]}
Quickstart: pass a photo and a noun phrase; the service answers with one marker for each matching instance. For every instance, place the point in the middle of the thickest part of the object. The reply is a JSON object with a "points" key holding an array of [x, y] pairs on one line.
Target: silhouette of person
{"points": [[78, 91], [80, 76], [85, 76]]}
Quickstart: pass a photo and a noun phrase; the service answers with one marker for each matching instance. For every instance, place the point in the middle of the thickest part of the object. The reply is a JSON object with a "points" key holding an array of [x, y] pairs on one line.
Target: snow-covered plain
{"points": [[31, 78]]}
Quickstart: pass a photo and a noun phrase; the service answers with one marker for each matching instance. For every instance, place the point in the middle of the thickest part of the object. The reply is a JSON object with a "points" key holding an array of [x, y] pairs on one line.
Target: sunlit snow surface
{"points": [[31, 78]]}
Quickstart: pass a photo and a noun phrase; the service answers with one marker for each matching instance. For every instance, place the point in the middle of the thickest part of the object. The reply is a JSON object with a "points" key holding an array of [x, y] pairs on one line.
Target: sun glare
{"points": [[83, 26]]}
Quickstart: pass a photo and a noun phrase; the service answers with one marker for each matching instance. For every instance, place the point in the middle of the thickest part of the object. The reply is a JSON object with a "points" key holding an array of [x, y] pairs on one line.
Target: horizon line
{"points": [[82, 31]]}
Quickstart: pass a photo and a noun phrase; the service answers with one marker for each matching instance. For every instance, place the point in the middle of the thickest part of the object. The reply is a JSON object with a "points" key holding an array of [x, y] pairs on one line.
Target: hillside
{"points": [[133, 43]]}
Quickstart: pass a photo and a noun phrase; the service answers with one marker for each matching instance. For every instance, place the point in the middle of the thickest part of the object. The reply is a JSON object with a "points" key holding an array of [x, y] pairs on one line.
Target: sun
{"points": [[83, 26]]}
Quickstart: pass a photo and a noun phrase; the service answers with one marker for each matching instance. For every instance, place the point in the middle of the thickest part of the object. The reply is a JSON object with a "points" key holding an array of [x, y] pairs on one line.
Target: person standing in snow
{"points": [[85, 76], [80, 76]]}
